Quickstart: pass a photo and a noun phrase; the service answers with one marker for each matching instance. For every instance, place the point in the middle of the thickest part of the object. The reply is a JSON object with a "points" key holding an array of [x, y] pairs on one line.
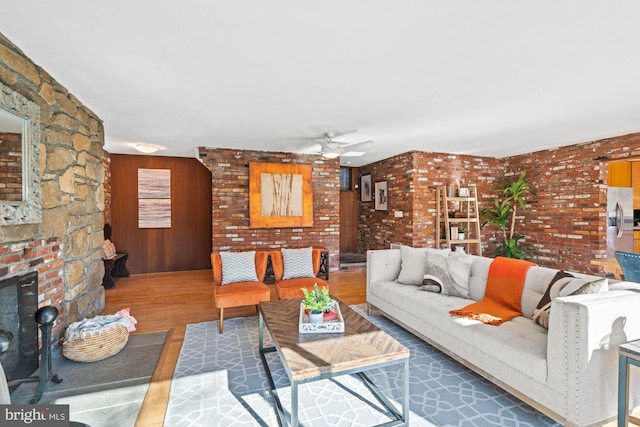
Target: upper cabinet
{"points": [[619, 174], [635, 182]]}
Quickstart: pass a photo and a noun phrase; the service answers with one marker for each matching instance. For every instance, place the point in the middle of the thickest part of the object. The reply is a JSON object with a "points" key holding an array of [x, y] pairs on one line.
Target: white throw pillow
{"points": [[413, 265], [297, 263], [238, 267]]}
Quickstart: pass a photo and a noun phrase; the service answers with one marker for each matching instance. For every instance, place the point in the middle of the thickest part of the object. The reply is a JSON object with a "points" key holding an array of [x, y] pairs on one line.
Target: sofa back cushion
{"points": [[538, 279], [478, 277]]}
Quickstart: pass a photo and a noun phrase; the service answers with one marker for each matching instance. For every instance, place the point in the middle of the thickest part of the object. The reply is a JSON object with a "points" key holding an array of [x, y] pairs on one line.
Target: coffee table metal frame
{"points": [[629, 355], [400, 417]]}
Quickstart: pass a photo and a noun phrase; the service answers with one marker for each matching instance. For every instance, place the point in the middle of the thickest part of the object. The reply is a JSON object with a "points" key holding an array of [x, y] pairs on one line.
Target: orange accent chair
{"points": [[292, 288], [239, 294]]}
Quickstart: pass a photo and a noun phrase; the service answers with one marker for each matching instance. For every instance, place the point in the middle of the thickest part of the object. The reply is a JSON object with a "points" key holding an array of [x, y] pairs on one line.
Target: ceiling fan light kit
{"points": [[331, 154], [331, 149]]}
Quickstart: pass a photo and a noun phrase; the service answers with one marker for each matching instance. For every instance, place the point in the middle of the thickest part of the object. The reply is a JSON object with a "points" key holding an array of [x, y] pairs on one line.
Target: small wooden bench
{"points": [[115, 266], [113, 269]]}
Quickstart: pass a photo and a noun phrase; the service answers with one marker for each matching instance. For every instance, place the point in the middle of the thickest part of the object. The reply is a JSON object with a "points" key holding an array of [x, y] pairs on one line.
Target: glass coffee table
{"points": [[316, 356]]}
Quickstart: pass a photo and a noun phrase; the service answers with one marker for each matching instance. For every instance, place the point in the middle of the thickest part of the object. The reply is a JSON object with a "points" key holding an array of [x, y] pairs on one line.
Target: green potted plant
{"points": [[461, 231], [317, 302], [503, 215]]}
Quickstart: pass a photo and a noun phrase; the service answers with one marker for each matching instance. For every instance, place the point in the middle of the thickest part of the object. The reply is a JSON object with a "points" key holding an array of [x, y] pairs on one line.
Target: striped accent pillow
{"points": [[297, 263], [562, 285], [238, 267]]}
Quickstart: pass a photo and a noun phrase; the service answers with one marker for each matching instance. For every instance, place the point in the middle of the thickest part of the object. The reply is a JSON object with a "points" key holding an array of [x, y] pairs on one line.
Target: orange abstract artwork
{"points": [[280, 195]]}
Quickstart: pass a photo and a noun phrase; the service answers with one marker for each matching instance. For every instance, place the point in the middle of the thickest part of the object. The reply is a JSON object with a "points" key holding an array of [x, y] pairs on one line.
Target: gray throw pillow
{"points": [[238, 267], [459, 267], [297, 263], [442, 267]]}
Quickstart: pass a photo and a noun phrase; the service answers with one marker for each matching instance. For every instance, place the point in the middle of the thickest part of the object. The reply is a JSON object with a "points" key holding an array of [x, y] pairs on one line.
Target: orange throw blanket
{"points": [[502, 296]]}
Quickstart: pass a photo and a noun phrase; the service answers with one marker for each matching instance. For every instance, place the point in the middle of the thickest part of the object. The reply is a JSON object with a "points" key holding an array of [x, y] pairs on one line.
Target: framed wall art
{"points": [[154, 198], [365, 188], [280, 195], [381, 195]]}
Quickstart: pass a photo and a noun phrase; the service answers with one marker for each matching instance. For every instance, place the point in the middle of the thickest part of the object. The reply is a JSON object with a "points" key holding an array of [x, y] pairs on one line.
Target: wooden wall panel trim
{"points": [[187, 244]]}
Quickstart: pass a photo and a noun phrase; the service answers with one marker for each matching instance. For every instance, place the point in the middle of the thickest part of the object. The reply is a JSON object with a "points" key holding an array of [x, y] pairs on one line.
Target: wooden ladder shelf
{"points": [[456, 212]]}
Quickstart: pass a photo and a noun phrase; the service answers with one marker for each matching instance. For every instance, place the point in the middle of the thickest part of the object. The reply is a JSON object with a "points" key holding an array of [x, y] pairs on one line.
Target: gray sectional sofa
{"points": [[568, 372]]}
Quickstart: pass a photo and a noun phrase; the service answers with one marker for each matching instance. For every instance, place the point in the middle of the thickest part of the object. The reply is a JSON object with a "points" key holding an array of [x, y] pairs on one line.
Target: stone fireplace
{"points": [[56, 231], [18, 304]]}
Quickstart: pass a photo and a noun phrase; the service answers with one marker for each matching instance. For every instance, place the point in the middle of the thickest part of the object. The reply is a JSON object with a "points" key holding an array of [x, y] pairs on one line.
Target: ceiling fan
{"points": [[332, 149]]}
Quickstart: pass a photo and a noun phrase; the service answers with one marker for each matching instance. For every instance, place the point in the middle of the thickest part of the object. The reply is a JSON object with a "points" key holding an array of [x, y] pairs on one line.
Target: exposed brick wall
{"points": [[566, 224], [412, 178], [45, 256], [230, 203], [10, 166], [378, 229]]}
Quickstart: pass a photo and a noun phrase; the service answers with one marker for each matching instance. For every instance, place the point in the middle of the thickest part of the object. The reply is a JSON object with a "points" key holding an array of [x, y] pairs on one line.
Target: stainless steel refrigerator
{"points": [[619, 220]]}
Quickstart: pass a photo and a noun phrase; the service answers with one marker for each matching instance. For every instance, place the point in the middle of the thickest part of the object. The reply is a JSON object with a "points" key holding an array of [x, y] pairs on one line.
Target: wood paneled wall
{"points": [[184, 246]]}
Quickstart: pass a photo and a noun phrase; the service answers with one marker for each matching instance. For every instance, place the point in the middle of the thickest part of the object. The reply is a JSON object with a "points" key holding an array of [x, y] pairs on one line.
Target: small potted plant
{"points": [[461, 232], [317, 302]]}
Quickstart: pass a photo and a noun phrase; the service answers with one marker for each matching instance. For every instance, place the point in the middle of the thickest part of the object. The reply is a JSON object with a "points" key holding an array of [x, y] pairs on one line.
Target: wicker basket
{"points": [[96, 346]]}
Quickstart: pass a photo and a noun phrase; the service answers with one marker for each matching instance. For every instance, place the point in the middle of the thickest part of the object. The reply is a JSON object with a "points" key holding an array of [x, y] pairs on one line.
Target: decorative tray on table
{"points": [[335, 325]]}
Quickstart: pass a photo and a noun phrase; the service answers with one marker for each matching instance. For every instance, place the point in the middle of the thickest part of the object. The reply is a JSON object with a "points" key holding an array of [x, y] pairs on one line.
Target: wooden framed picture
{"points": [[365, 188], [280, 195], [154, 198], [381, 195]]}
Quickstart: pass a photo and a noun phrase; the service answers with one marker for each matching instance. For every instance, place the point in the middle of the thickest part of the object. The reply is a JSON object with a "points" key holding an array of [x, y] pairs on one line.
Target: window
{"points": [[345, 179]]}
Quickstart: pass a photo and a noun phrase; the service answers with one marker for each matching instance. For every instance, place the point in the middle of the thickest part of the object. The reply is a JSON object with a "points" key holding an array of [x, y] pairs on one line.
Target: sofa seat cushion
{"points": [[519, 343], [292, 288], [241, 293]]}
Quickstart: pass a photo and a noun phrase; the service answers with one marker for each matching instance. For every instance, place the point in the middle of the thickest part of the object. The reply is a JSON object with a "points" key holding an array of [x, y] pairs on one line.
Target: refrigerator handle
{"points": [[619, 219]]}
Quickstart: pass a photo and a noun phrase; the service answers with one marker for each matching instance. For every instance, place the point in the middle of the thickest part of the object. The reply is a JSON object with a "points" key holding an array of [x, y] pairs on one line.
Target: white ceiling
{"points": [[491, 77]]}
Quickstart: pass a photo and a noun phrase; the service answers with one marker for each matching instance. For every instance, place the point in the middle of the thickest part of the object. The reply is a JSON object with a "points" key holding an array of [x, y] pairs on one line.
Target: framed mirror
{"points": [[19, 159]]}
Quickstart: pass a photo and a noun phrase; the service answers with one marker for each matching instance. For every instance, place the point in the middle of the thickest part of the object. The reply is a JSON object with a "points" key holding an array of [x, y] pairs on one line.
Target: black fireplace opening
{"points": [[18, 305]]}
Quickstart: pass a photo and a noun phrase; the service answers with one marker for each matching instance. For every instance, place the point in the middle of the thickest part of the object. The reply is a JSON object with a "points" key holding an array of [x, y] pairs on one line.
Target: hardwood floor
{"points": [[170, 301]]}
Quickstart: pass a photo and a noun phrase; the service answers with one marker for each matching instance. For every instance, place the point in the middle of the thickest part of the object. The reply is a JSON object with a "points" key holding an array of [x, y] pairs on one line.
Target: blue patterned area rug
{"points": [[219, 380]]}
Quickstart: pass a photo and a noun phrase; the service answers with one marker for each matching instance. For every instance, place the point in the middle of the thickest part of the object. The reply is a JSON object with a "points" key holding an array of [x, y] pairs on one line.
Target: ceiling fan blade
{"points": [[358, 145], [353, 154], [312, 148], [335, 135]]}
